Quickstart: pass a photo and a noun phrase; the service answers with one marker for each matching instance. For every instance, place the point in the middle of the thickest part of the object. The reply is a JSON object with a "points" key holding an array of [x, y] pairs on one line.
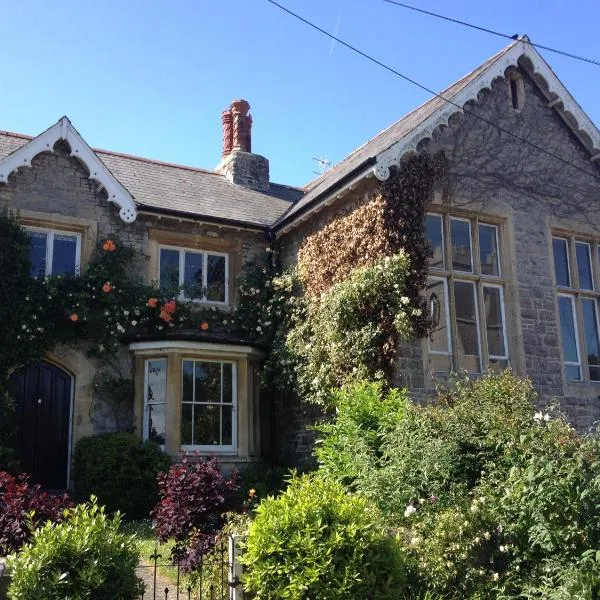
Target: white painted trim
{"points": [[64, 130], [394, 154], [200, 346]]}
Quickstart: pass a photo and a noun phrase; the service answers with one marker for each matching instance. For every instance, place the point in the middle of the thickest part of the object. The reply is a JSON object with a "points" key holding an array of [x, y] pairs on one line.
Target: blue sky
{"points": [[151, 77]]}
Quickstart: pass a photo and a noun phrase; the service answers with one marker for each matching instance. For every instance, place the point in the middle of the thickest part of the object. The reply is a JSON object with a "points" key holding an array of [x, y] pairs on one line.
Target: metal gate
{"points": [[218, 577]]}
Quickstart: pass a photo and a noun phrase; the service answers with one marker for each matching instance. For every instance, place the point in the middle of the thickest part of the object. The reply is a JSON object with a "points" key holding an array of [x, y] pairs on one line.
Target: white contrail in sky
{"points": [[335, 31]]}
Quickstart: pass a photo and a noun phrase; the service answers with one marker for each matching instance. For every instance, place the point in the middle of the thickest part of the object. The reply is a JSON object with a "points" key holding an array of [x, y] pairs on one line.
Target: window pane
{"points": [[435, 237], [592, 342], [584, 266], [207, 425], [187, 413], [192, 277], [169, 268], [488, 250], [188, 380], [460, 236], [436, 294], [227, 383], [38, 253], [494, 324], [227, 428], [208, 382], [561, 262], [569, 338], [64, 254], [466, 325], [156, 398], [215, 278]]}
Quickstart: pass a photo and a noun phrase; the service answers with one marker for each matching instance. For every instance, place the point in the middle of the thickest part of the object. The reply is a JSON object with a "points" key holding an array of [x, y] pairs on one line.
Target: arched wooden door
{"points": [[42, 394]]}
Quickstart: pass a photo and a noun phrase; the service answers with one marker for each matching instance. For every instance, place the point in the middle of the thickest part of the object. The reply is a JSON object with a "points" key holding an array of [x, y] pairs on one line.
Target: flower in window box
{"points": [[109, 246], [106, 288], [152, 302], [74, 317], [204, 326]]}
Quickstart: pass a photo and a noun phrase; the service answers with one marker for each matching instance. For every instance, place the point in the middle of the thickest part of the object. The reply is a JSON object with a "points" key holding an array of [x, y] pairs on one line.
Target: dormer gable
{"points": [[64, 130]]}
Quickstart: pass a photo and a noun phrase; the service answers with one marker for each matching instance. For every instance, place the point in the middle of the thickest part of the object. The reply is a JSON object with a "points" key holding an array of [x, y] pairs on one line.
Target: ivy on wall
{"points": [[362, 274]]}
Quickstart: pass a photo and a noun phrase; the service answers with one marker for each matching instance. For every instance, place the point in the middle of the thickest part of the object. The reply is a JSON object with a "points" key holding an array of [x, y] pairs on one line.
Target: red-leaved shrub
{"points": [[23, 507], [193, 496]]}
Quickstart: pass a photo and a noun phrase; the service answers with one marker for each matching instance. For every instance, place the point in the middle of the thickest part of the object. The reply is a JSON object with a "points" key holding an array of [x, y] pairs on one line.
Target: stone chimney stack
{"points": [[238, 163]]}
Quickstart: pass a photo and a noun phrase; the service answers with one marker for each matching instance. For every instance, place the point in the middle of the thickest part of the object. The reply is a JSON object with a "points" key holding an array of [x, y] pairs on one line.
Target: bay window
{"points": [[575, 263], [465, 294]]}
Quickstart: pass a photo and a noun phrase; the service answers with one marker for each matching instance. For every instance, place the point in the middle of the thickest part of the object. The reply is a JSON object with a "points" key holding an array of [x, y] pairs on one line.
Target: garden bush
{"points": [[316, 541], [85, 556], [490, 497], [23, 507], [193, 495], [121, 471]]}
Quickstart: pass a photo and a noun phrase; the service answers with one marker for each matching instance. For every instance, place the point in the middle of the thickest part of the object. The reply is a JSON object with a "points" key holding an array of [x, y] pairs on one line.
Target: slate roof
{"points": [[365, 155], [165, 187]]}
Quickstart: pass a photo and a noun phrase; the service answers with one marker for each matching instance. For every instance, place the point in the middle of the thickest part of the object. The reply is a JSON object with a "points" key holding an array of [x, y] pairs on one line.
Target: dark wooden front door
{"points": [[42, 394]]}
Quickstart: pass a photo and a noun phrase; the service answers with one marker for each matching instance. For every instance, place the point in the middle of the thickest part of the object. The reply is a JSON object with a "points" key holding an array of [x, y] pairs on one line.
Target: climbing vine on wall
{"points": [[362, 274]]}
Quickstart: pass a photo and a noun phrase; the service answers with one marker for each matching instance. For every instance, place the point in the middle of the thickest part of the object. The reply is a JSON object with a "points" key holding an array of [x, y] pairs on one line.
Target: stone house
{"points": [[514, 275]]}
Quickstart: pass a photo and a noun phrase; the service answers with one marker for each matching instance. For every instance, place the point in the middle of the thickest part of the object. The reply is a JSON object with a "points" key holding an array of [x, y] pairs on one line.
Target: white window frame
{"points": [[569, 274], [478, 281], [147, 404], [450, 265], [474, 287], [589, 252], [503, 314], [441, 218], [234, 403], [575, 318], [479, 224], [448, 321], [50, 233], [182, 250]]}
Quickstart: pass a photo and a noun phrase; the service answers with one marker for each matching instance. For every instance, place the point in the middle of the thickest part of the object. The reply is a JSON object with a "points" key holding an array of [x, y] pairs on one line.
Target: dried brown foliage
{"points": [[353, 240]]}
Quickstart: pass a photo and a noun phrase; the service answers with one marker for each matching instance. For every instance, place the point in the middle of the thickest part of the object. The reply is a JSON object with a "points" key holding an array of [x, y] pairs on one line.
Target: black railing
{"points": [[212, 580]]}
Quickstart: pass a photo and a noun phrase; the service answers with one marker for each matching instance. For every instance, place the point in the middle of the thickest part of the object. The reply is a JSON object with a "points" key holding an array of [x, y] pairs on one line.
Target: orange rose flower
{"points": [[74, 317], [204, 326], [165, 316], [170, 306], [152, 302], [106, 287], [109, 246]]}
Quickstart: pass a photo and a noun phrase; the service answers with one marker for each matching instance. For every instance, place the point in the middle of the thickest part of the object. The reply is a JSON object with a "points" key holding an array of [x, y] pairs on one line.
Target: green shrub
{"points": [[316, 541], [350, 446], [121, 471], [86, 556]]}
